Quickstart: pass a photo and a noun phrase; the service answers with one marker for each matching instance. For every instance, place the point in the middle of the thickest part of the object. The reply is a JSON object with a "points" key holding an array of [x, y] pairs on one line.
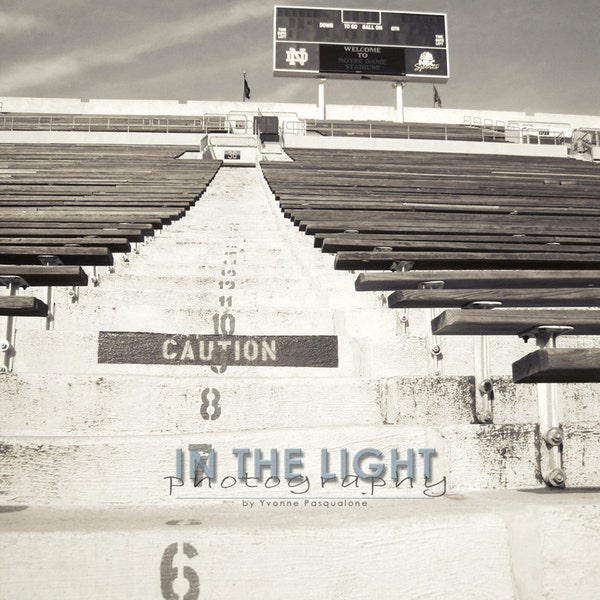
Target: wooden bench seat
{"points": [[47, 275], [508, 226], [22, 306], [558, 365], [147, 229], [399, 209], [410, 280], [519, 297], [338, 241], [369, 199], [515, 245], [381, 261], [114, 244], [513, 321], [91, 217], [94, 256], [131, 235]]}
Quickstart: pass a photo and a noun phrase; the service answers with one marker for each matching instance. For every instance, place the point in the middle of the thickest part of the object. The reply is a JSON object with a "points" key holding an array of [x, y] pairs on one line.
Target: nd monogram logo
{"points": [[296, 57]]}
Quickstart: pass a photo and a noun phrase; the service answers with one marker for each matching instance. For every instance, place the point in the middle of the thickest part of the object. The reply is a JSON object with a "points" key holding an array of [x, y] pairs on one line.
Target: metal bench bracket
{"points": [[484, 389], [403, 266], [435, 348], [548, 408]]}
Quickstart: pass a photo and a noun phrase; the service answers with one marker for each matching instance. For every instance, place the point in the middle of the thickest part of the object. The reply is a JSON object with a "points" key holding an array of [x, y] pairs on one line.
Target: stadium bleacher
{"points": [[368, 203], [231, 318]]}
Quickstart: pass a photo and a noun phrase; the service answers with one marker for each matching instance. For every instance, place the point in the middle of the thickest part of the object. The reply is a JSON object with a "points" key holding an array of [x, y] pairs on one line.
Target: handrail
{"points": [[150, 124], [233, 140]]}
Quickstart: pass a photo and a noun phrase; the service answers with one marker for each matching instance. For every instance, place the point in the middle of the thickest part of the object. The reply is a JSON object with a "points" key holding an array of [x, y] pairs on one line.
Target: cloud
{"points": [[13, 23], [153, 37]]}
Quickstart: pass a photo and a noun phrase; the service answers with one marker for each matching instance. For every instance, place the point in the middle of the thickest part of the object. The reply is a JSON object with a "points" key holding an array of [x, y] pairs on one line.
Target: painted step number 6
{"points": [[168, 574]]}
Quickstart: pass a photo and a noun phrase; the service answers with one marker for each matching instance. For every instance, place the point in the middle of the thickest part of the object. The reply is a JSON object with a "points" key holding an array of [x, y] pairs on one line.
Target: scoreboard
{"points": [[360, 44]]}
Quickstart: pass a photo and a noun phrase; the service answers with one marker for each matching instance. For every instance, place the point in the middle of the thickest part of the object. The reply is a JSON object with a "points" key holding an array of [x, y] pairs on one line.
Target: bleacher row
{"points": [[518, 235], [64, 207]]}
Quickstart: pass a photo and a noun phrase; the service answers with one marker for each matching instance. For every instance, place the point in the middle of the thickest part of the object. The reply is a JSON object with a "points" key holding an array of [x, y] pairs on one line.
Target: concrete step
{"points": [[207, 294], [514, 540], [72, 352], [109, 404], [68, 349], [195, 319], [155, 469], [196, 267], [35, 404]]}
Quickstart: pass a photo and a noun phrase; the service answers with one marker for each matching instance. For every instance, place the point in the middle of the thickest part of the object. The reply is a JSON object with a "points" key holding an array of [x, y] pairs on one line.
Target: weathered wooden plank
{"points": [[477, 279], [468, 226], [467, 260], [69, 256], [513, 321], [514, 245], [386, 239], [132, 235], [111, 226], [558, 365], [50, 275], [114, 244], [22, 306], [521, 297]]}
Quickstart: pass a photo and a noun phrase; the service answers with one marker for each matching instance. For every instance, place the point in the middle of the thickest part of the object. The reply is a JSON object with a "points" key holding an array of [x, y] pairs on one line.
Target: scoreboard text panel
{"points": [[365, 44]]}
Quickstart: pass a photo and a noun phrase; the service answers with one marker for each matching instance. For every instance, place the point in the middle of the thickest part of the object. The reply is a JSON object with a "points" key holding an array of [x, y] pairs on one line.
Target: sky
{"points": [[522, 55]]}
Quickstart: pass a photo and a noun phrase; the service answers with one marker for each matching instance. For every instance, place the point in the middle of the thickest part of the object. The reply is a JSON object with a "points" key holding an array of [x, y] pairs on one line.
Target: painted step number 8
{"points": [[168, 574]]}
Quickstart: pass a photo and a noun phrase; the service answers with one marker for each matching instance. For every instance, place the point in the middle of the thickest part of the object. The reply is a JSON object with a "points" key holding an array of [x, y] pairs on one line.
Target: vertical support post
{"points": [[321, 101], [399, 85], [484, 390], [49, 321], [7, 343], [552, 435]]}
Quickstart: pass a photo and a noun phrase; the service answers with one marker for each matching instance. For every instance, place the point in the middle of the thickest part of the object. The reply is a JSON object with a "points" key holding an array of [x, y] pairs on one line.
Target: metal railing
{"points": [[538, 132], [203, 124], [409, 131]]}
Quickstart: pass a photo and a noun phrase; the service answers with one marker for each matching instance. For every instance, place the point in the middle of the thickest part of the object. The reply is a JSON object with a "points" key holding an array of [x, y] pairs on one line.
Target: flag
{"points": [[246, 89], [437, 101]]}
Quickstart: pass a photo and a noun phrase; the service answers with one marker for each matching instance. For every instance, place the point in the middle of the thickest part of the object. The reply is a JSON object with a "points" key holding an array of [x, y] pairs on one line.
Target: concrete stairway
{"points": [[99, 430]]}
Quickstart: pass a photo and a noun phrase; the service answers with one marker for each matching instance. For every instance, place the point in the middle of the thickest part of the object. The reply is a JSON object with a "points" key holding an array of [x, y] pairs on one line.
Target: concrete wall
{"points": [[305, 111], [101, 137], [345, 143]]}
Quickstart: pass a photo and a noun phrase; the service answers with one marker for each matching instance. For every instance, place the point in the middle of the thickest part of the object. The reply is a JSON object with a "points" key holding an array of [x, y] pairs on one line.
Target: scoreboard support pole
{"points": [[321, 100], [399, 85]]}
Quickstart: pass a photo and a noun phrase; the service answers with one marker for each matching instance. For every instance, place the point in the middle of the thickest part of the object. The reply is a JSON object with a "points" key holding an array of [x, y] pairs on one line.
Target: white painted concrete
{"points": [[496, 545], [451, 147]]}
